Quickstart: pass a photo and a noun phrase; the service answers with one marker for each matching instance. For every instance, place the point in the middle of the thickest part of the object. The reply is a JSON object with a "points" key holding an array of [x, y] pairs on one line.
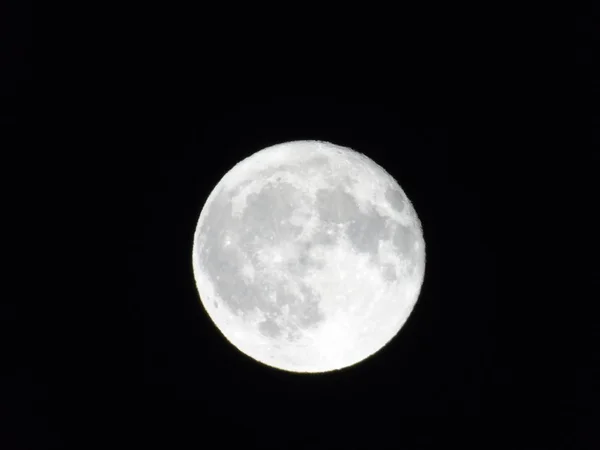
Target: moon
{"points": [[308, 256]]}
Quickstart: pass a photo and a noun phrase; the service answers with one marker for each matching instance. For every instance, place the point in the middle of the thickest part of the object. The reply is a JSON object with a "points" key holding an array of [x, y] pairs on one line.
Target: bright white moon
{"points": [[308, 256]]}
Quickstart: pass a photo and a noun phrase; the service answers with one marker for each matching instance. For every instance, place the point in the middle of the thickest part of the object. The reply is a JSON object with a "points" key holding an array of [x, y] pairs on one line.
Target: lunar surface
{"points": [[308, 256]]}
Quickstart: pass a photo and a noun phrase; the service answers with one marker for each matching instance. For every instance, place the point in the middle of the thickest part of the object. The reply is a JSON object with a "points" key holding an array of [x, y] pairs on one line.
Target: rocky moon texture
{"points": [[308, 256]]}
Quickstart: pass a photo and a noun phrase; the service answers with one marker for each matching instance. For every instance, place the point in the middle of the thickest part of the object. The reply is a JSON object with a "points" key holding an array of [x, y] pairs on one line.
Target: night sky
{"points": [[169, 106]]}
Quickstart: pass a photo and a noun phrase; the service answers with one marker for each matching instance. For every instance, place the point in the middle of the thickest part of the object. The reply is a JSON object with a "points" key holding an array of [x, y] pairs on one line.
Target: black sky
{"points": [[159, 107], [475, 344]]}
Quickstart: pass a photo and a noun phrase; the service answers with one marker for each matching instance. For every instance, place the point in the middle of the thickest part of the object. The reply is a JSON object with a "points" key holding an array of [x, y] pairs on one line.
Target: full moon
{"points": [[308, 256]]}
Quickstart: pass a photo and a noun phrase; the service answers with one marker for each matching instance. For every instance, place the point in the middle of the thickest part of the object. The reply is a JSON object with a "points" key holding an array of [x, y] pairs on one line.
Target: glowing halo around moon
{"points": [[308, 256]]}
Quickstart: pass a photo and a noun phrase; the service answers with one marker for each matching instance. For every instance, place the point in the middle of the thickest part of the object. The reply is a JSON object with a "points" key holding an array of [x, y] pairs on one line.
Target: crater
{"points": [[396, 198], [269, 329]]}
